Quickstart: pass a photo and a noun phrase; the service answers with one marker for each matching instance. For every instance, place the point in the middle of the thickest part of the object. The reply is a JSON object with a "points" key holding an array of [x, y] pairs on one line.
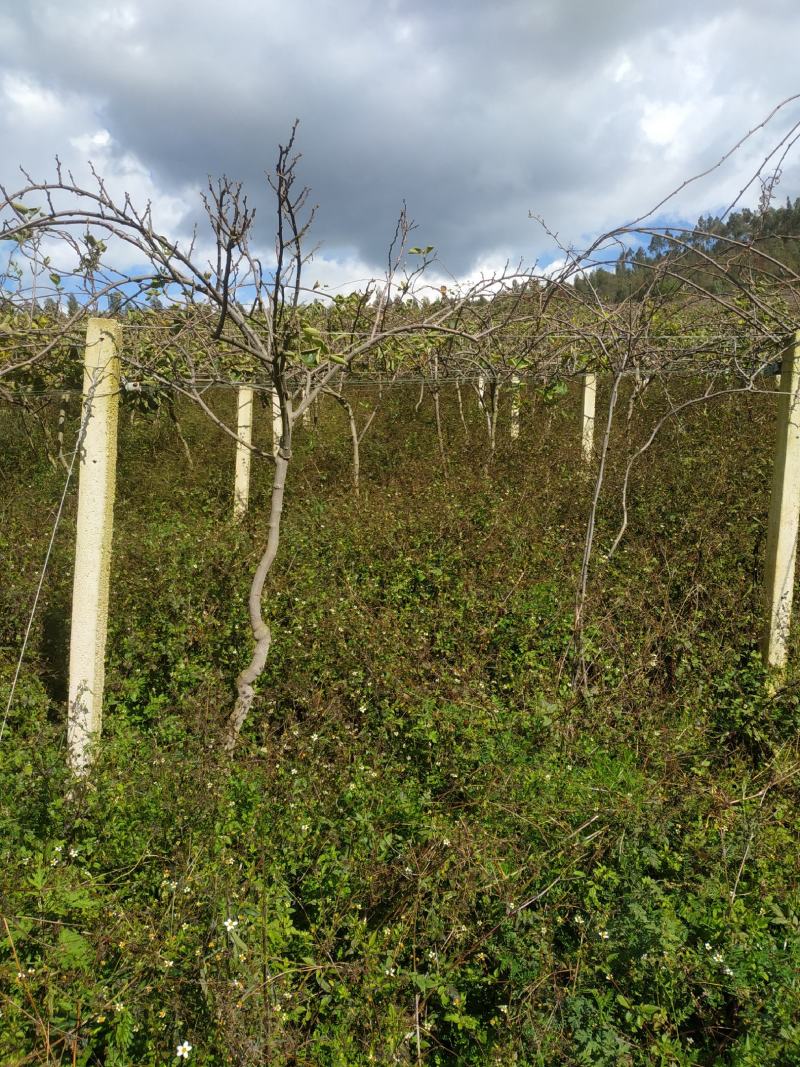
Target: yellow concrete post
{"points": [[97, 480], [515, 406], [784, 514], [241, 488], [589, 397]]}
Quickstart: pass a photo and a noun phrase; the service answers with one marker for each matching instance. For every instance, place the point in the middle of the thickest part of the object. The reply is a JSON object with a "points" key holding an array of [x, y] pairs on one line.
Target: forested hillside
{"points": [[716, 253]]}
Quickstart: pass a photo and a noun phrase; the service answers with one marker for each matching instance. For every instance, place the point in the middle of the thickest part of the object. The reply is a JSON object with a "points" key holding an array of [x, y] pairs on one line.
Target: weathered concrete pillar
{"points": [[97, 481], [515, 406], [589, 397], [784, 514], [241, 488]]}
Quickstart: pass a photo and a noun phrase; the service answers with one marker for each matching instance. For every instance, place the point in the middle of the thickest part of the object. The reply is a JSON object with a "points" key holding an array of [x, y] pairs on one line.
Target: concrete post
{"points": [[97, 480], [241, 488], [587, 416], [515, 406], [784, 514]]}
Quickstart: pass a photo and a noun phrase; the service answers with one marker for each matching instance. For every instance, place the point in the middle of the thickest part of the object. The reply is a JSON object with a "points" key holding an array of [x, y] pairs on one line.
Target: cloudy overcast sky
{"points": [[476, 113]]}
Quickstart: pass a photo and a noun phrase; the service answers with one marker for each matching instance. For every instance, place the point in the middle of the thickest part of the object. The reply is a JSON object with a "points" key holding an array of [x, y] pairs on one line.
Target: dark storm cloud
{"points": [[474, 113]]}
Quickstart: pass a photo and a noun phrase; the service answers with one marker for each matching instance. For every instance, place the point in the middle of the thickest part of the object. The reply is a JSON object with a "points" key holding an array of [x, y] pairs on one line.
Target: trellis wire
{"points": [[56, 522]]}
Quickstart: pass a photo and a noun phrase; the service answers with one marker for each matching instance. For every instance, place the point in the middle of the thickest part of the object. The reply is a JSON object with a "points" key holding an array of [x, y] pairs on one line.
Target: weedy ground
{"points": [[430, 847]]}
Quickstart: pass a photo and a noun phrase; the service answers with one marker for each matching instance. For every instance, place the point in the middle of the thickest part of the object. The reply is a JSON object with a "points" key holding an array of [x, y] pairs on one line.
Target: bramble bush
{"points": [[429, 847]]}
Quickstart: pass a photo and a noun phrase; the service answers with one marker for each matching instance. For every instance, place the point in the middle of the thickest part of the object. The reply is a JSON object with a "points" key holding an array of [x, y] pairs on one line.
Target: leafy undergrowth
{"points": [[429, 847]]}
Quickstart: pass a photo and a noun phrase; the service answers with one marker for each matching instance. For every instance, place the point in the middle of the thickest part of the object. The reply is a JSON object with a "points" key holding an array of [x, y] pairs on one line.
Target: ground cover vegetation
{"points": [[457, 748], [430, 846]]}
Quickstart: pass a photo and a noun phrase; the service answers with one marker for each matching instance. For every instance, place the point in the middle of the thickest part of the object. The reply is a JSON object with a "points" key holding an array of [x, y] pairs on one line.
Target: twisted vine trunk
{"points": [[62, 422], [437, 410], [173, 416], [355, 436], [461, 407], [262, 633]]}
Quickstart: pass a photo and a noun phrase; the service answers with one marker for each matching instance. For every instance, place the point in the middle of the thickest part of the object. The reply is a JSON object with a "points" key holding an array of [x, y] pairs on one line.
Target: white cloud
{"points": [[28, 102], [586, 114], [624, 70], [662, 122]]}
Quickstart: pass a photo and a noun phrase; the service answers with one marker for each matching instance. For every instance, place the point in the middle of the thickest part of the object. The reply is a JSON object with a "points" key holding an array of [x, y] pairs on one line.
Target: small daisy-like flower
{"points": [[708, 946], [119, 1006], [230, 925], [73, 853], [603, 935], [390, 972], [446, 842], [315, 737], [183, 1050], [169, 963], [579, 919], [718, 957]]}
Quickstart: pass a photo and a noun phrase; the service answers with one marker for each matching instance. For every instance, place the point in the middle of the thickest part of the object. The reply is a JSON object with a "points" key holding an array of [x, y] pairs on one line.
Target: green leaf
{"points": [[74, 950]]}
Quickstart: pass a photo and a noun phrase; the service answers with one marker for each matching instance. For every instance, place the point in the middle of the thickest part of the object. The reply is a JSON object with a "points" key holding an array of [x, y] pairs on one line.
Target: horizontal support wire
{"points": [[132, 387]]}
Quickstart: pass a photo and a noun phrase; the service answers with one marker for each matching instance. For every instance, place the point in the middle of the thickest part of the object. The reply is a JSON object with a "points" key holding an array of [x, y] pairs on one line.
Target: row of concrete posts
{"points": [[97, 477]]}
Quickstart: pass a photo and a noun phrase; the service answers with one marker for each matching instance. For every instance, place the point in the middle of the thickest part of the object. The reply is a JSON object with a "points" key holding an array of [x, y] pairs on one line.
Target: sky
{"points": [[476, 114]]}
